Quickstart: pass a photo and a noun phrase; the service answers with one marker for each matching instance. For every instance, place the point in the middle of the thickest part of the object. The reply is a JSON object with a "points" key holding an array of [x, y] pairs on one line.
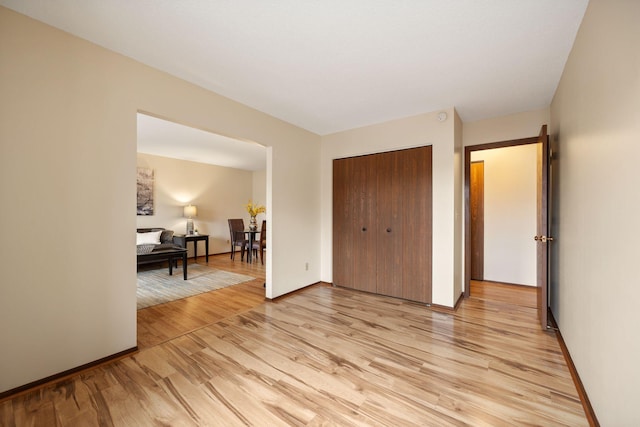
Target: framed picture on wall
{"points": [[145, 191]]}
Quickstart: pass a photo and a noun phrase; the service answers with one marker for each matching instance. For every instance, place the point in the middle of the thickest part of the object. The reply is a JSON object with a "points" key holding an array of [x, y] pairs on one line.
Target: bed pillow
{"points": [[151, 238]]}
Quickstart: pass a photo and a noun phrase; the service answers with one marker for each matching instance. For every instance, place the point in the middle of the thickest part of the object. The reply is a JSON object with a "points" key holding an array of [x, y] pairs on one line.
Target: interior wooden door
{"points": [[364, 223], [416, 178], [476, 210], [542, 238], [389, 224]]}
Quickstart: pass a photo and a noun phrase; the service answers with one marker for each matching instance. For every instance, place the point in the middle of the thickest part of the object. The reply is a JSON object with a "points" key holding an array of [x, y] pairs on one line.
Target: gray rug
{"points": [[157, 287]]}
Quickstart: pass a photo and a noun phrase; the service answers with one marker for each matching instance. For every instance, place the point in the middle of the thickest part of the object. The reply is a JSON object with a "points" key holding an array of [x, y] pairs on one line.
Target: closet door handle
{"points": [[364, 228], [388, 230]]}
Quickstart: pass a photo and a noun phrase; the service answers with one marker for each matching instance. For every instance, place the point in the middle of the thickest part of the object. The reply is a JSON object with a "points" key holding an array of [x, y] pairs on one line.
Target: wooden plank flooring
{"points": [[162, 322], [326, 356]]}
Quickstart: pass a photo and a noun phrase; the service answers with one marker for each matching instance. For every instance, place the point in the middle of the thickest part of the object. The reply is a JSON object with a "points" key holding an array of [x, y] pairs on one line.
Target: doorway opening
{"points": [[216, 176], [499, 245]]}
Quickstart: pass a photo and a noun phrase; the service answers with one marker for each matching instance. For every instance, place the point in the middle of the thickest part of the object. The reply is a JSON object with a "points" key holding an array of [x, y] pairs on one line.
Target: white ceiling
{"points": [[163, 138], [333, 65]]}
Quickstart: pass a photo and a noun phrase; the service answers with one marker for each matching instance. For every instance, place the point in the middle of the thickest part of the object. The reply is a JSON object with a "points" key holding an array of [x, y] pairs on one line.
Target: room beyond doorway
{"points": [[218, 174]]}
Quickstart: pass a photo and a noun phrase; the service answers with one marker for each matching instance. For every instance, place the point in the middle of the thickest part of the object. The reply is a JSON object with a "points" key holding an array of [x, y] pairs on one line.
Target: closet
{"points": [[382, 225]]}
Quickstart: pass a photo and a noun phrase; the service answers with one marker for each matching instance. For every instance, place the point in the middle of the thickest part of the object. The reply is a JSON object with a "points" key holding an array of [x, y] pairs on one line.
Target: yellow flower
{"points": [[255, 209]]}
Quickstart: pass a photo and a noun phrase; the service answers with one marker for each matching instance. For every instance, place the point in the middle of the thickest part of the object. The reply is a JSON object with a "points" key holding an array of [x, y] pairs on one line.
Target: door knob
{"points": [[364, 228], [388, 230]]}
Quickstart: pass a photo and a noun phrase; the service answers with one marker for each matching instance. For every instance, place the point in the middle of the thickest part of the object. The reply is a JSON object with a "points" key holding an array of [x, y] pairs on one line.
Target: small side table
{"points": [[182, 239]]}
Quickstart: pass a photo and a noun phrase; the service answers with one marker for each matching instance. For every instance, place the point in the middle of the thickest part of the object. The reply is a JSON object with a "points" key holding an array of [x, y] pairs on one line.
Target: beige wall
{"points": [[218, 192], [458, 208], [415, 131], [259, 187], [510, 194], [595, 130], [505, 128], [68, 164]]}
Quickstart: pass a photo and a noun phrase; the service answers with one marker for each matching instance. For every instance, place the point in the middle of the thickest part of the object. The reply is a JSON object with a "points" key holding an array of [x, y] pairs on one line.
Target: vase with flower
{"points": [[253, 211]]}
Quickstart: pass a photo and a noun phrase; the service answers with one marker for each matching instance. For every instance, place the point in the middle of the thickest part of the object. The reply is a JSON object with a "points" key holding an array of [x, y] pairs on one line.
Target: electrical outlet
{"points": [[306, 266]]}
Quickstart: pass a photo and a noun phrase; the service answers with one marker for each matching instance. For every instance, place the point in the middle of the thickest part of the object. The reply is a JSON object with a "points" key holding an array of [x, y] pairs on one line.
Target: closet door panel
{"points": [[343, 220], [389, 224], [417, 229], [364, 235]]}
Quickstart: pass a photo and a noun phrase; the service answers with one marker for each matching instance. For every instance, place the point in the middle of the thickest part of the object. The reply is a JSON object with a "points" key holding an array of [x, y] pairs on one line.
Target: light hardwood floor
{"points": [[323, 356], [163, 322]]}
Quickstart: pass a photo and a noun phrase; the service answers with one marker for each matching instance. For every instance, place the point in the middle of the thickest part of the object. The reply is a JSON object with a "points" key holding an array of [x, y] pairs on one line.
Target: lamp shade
{"points": [[190, 211]]}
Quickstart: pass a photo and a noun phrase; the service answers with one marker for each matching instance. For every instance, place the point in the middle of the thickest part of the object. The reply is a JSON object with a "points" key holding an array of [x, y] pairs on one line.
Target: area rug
{"points": [[157, 287]]}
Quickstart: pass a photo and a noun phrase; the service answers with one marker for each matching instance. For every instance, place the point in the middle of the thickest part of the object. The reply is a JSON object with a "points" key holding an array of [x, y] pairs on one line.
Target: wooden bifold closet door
{"points": [[382, 208]]}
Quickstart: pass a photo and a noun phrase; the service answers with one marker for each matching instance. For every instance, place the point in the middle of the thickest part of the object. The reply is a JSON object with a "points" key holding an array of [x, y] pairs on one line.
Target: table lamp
{"points": [[190, 211]]}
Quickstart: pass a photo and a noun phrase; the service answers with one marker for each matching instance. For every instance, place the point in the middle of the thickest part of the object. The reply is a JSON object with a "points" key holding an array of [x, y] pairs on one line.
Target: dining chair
{"points": [[261, 244], [237, 237]]}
